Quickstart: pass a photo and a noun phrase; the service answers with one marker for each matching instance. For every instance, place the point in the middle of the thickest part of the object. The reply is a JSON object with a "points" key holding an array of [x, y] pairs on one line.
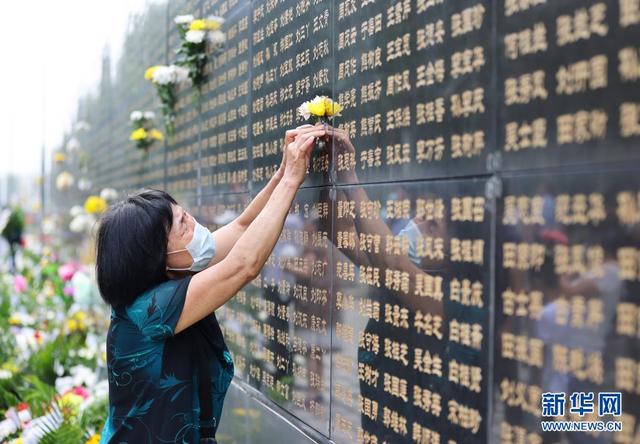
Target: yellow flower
{"points": [[156, 135], [198, 25], [72, 325], [80, 316], [11, 366], [70, 403], [139, 134], [59, 157], [148, 74], [17, 441], [14, 320], [317, 106], [95, 439], [332, 108], [95, 204]]}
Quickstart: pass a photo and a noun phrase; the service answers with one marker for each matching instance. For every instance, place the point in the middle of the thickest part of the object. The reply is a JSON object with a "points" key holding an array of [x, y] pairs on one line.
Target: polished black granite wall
{"points": [[472, 243]]}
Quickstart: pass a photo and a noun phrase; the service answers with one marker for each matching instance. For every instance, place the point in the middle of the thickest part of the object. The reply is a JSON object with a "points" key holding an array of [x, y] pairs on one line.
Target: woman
{"points": [[169, 368]]}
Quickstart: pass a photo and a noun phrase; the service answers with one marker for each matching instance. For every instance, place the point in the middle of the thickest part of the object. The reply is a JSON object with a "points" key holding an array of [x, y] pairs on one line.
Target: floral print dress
{"points": [[155, 394]]}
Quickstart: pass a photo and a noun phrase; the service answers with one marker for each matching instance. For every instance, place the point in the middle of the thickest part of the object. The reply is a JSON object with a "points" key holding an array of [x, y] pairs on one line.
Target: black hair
{"points": [[131, 246]]}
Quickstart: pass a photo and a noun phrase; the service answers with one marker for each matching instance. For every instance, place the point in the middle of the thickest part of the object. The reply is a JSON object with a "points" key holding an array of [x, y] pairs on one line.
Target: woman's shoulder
{"points": [[159, 307]]}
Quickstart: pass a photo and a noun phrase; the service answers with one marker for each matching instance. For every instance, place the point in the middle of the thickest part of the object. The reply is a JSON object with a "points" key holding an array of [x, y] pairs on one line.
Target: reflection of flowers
{"points": [[193, 51], [95, 205], [164, 78], [64, 180], [143, 133]]}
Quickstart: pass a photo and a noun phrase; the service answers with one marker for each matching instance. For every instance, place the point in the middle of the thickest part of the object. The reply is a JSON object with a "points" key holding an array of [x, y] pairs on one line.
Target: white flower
{"points": [[149, 115], [109, 194], [5, 374], [101, 389], [194, 36], [64, 180], [217, 37], [79, 224], [84, 184], [303, 110], [64, 383], [83, 375], [162, 75], [73, 144], [179, 73], [135, 115], [76, 210], [183, 19]]}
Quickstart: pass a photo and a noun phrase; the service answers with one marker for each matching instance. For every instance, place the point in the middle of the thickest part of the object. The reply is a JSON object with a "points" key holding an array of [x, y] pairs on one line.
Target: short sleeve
{"points": [[156, 311]]}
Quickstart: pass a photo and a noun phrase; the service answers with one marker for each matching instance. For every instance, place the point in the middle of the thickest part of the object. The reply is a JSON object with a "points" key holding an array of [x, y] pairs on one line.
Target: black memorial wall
{"points": [[473, 242]]}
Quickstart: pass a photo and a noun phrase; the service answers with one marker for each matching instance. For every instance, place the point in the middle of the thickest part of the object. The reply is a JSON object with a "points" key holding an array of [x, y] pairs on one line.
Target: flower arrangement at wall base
{"points": [[320, 109], [52, 353], [144, 134], [165, 79], [194, 35]]}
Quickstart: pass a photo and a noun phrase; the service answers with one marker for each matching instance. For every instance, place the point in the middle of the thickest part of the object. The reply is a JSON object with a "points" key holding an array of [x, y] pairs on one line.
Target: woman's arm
{"points": [[225, 237], [211, 288]]}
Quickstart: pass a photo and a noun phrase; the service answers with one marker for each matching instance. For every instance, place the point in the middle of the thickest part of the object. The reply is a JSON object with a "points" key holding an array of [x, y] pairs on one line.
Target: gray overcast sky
{"points": [[51, 50]]}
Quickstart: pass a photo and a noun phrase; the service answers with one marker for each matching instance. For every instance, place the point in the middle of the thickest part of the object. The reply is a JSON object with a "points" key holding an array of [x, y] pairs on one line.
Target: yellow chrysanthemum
{"points": [[148, 74], [59, 157], [14, 320], [212, 25], [156, 135], [70, 403], [95, 439], [80, 315], [139, 134], [332, 108], [317, 107], [72, 325], [95, 204], [198, 25]]}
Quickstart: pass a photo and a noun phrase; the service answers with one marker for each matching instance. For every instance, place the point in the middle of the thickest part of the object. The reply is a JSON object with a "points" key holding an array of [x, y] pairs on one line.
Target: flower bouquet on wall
{"points": [[144, 134], [165, 79], [194, 36]]}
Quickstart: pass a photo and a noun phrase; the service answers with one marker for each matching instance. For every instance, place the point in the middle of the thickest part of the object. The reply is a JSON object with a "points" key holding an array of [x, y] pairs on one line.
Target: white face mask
{"points": [[201, 248]]}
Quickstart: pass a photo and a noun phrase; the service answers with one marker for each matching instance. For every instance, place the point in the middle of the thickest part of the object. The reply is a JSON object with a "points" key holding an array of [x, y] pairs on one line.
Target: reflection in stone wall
{"points": [[467, 242]]}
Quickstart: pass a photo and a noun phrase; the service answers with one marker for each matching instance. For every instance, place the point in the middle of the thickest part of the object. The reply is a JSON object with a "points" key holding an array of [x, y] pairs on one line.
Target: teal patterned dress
{"points": [[155, 389]]}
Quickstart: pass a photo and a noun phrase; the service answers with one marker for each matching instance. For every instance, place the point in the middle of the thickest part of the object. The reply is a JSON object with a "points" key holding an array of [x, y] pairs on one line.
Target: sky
{"points": [[51, 54]]}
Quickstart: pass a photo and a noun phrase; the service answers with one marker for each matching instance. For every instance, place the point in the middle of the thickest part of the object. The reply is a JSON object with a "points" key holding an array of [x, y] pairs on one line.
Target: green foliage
{"points": [[14, 228]]}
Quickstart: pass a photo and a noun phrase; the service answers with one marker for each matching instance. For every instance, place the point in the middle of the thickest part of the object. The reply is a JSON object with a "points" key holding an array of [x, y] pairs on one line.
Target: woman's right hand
{"points": [[299, 152]]}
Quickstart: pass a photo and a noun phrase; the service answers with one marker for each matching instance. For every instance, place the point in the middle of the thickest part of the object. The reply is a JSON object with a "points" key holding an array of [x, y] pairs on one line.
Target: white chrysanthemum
{"points": [[109, 194], [76, 210], [183, 19], [149, 115], [179, 73], [194, 36], [303, 110], [5, 374], [135, 115], [217, 37], [73, 144], [162, 75]]}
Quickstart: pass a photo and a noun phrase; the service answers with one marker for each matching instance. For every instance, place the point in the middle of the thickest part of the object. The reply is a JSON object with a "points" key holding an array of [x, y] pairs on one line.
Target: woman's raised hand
{"points": [[298, 152]]}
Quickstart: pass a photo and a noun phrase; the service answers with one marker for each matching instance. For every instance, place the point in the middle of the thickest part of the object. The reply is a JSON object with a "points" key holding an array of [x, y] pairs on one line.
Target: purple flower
{"points": [[68, 290]]}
